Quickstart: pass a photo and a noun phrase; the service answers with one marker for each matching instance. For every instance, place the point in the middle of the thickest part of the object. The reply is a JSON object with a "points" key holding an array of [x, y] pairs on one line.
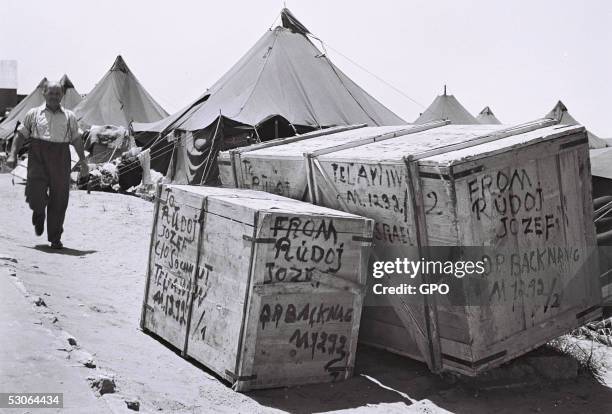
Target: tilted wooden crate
{"points": [[263, 290], [460, 186], [281, 168]]}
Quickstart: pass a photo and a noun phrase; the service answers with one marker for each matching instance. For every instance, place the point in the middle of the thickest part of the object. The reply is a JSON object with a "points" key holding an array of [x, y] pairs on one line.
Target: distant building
{"points": [[8, 86]]}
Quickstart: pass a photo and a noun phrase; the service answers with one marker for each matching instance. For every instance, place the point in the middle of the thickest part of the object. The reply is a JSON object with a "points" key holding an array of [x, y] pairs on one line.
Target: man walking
{"points": [[51, 129]]}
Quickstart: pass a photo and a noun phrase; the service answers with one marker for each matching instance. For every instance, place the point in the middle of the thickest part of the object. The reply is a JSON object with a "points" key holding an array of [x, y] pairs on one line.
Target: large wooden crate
{"points": [[281, 168], [414, 211], [461, 186], [263, 290]]}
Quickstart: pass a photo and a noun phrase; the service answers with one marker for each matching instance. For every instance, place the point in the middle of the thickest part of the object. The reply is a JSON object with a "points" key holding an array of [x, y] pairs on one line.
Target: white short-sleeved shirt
{"points": [[46, 125]]}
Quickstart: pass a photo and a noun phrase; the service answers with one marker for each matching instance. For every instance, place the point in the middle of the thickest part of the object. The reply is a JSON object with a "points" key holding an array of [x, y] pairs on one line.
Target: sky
{"points": [[517, 56]]}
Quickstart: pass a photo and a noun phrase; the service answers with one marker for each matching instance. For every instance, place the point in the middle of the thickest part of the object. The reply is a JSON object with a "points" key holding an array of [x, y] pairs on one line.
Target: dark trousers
{"points": [[48, 184]]}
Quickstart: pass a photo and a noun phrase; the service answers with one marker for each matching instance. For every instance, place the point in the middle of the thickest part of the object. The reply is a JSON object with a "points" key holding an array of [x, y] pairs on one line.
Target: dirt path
{"points": [[94, 289], [33, 357]]}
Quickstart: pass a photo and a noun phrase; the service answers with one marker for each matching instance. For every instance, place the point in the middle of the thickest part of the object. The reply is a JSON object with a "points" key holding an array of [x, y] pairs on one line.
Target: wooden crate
{"points": [[437, 189], [228, 159], [281, 168], [263, 290]]}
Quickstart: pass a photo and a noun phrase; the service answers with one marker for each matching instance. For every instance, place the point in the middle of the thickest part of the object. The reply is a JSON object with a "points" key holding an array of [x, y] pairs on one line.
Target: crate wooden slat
{"points": [[249, 167], [263, 290], [429, 184]]}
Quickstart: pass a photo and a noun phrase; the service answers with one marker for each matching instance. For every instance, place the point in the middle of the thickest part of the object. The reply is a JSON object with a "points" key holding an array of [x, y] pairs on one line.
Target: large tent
{"points": [[34, 99], [486, 116], [118, 99], [561, 114], [283, 85], [446, 107]]}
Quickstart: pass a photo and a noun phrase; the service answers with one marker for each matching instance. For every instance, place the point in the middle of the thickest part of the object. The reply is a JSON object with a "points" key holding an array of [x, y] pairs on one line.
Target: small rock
{"points": [[40, 302], [83, 357], [103, 385], [47, 294], [54, 320], [133, 405], [8, 259], [68, 337]]}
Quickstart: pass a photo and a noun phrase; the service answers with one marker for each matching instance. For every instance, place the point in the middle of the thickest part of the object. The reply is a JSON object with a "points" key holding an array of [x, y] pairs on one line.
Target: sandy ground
{"points": [[93, 292]]}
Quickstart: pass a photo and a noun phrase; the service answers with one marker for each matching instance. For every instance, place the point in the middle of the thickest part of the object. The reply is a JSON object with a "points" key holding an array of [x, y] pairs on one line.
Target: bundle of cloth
{"points": [[104, 177]]}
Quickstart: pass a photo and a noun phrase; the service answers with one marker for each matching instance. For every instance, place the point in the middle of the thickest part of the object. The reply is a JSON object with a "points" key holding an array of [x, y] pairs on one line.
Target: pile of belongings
{"points": [[117, 174], [113, 158], [131, 172], [104, 177], [107, 142]]}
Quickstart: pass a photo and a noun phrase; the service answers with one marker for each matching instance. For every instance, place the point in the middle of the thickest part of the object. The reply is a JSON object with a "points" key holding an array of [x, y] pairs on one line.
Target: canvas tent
{"points": [[34, 99], [562, 115], [118, 99], [446, 107], [71, 97], [284, 84], [487, 117]]}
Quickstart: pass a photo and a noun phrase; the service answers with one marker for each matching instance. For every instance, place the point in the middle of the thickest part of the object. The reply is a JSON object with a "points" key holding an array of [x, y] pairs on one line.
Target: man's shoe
{"points": [[38, 220], [57, 245]]}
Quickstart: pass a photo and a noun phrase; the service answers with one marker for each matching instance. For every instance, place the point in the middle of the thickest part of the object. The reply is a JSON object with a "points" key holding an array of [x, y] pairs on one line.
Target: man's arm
{"points": [[77, 143], [79, 148], [18, 140], [21, 134]]}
